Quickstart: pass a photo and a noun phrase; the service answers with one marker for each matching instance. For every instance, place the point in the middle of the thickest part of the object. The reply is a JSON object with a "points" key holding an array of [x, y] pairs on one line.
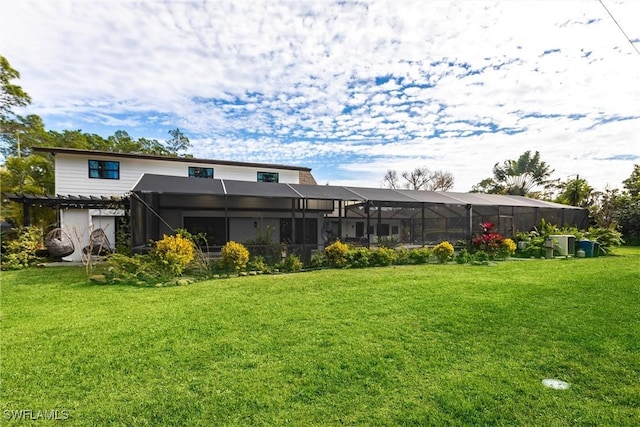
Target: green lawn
{"points": [[411, 345]]}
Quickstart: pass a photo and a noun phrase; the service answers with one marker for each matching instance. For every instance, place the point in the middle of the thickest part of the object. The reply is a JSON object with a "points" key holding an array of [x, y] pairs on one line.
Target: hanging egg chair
{"points": [[58, 243]]}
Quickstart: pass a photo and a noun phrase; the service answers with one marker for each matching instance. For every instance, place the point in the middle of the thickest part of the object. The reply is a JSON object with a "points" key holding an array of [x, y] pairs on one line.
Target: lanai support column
{"points": [[470, 233], [304, 229], [293, 221], [367, 210], [422, 226], [340, 210], [227, 232], [379, 225]]}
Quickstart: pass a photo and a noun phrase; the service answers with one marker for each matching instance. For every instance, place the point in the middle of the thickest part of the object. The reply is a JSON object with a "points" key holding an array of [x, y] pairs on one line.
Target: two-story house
{"points": [[97, 174]]}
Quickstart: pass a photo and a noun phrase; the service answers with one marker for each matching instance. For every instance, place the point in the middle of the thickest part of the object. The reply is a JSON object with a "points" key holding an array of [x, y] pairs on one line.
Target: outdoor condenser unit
{"points": [[566, 243]]}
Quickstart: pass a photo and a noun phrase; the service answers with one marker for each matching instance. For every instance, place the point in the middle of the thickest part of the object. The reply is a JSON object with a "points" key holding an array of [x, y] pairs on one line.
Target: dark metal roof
{"points": [[260, 189], [325, 192], [152, 183], [76, 151], [182, 185]]}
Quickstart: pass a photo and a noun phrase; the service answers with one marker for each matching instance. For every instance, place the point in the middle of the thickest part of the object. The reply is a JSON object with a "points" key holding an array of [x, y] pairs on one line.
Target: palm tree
{"points": [[518, 177]]}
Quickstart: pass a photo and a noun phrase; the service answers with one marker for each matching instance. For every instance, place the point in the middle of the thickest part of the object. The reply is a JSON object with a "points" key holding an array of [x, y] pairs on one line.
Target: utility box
{"points": [[566, 243]]}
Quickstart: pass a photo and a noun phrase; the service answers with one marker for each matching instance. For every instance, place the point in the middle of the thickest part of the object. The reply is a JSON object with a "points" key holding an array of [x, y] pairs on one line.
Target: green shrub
{"points": [[336, 254], [481, 256], [174, 253], [134, 269], [258, 263], [607, 238], [403, 256], [21, 251], [420, 255], [382, 257], [263, 245], [358, 257], [292, 263], [319, 260], [123, 235], [464, 257], [443, 251], [388, 242], [234, 256]]}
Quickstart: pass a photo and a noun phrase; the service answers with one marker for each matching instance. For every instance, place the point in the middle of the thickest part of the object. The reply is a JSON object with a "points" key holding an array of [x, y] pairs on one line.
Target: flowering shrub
{"points": [[489, 241], [336, 254], [507, 248], [235, 256], [443, 251], [174, 252]]}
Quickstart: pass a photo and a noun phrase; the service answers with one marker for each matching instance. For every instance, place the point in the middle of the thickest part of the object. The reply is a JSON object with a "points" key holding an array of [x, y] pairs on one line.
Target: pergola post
{"points": [[26, 214]]}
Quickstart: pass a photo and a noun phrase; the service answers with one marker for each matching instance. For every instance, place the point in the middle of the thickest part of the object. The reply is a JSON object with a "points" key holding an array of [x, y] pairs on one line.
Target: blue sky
{"points": [[348, 88]]}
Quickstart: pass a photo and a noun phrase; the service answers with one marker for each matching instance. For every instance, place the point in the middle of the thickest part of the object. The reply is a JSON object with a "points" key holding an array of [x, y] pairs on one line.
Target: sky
{"points": [[350, 89]]}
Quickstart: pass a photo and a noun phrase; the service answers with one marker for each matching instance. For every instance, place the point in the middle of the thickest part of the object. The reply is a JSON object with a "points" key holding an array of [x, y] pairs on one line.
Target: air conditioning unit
{"points": [[564, 243]]}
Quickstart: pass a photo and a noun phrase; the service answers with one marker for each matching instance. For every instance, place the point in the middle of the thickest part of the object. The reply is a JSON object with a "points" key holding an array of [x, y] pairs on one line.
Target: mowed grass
{"points": [[411, 345]]}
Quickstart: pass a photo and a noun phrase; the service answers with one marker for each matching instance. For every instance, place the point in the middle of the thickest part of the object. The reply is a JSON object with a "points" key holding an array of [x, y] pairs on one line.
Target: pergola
{"points": [[59, 201]]}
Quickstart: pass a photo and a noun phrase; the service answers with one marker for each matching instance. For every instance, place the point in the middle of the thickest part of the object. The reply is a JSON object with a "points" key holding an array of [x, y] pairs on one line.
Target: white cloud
{"points": [[463, 85]]}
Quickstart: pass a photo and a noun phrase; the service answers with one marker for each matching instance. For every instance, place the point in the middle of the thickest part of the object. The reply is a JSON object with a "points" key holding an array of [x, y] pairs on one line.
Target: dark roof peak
{"points": [[81, 152]]}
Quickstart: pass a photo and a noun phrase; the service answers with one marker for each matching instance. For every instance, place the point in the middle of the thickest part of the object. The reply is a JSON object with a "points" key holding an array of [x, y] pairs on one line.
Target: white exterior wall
{"points": [[75, 222], [72, 173], [78, 223]]}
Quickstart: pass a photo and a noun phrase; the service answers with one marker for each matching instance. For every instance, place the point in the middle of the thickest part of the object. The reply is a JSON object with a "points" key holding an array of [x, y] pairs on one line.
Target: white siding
{"points": [[72, 174], [76, 223]]}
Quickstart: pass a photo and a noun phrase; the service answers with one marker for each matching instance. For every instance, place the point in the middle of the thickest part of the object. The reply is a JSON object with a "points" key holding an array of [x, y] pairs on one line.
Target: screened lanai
{"points": [[313, 215]]}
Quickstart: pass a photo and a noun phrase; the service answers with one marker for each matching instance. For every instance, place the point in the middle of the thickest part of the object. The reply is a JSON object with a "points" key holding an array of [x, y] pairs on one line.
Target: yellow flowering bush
{"points": [[235, 256], [336, 254], [443, 251], [507, 248], [174, 252]]}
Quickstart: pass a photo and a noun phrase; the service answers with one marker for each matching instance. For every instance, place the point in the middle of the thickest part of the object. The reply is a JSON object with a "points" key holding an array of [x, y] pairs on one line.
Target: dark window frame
{"points": [[195, 172], [102, 169], [262, 175]]}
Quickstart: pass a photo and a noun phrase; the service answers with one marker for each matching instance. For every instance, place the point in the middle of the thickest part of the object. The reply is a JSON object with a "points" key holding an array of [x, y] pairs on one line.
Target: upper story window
{"points": [[104, 169], [196, 172], [267, 176]]}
